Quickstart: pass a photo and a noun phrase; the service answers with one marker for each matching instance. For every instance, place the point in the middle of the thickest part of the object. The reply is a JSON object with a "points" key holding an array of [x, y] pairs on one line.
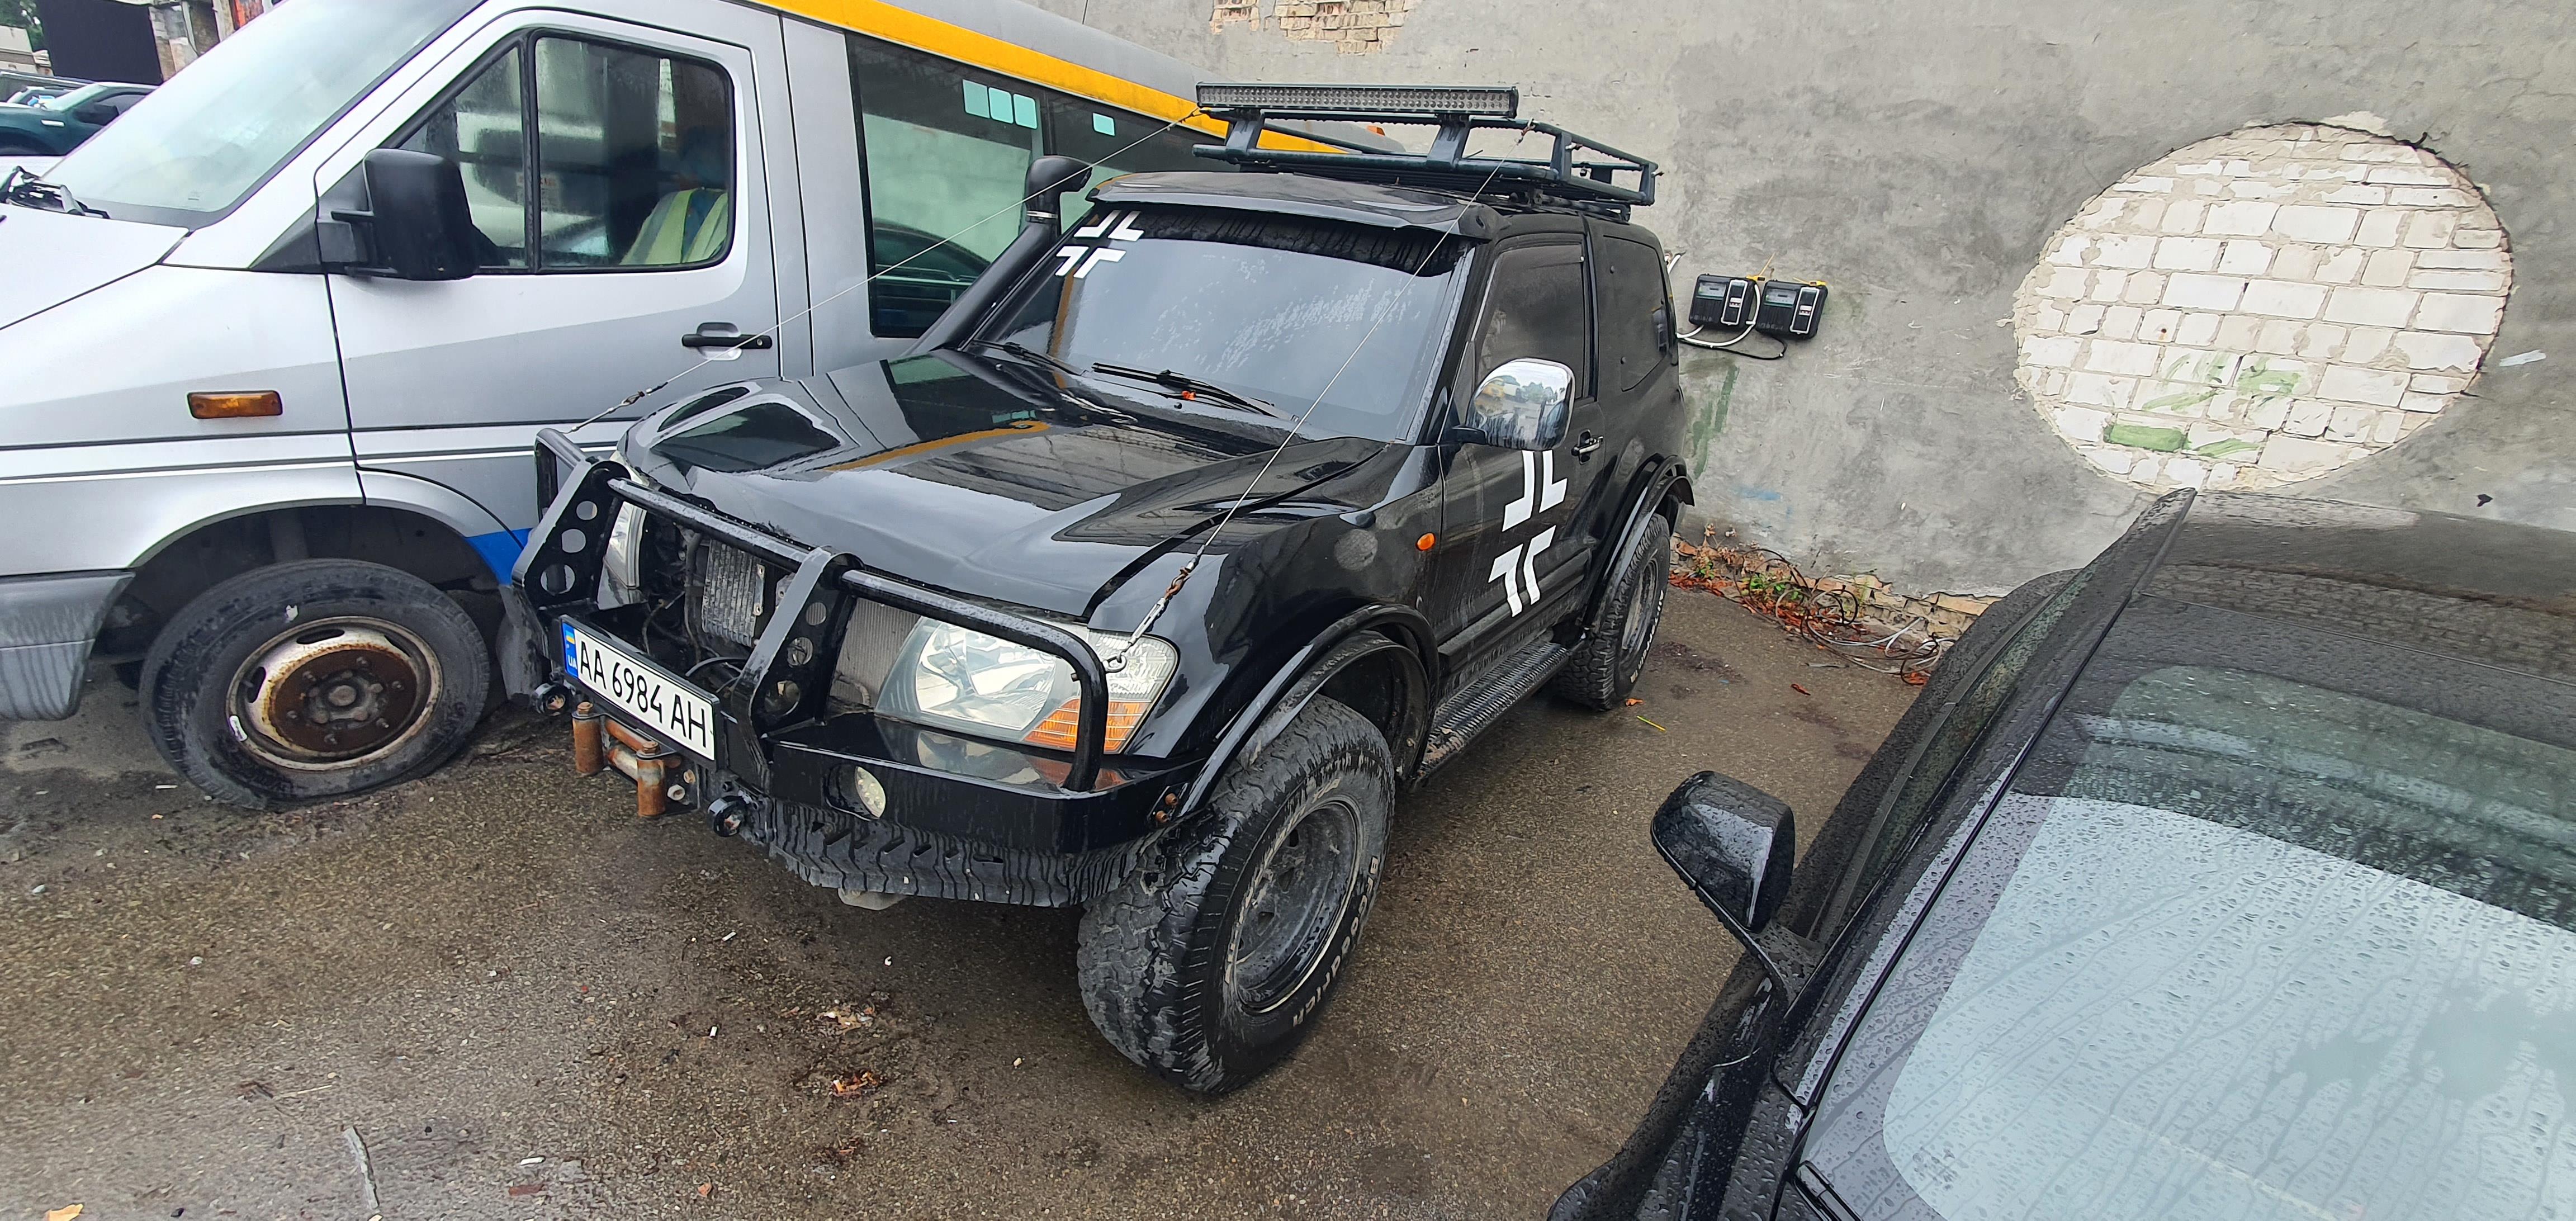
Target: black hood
{"points": [[988, 479]]}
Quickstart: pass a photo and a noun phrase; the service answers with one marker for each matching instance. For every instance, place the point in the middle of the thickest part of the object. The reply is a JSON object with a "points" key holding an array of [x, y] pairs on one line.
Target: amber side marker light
{"points": [[1424, 543], [234, 404]]}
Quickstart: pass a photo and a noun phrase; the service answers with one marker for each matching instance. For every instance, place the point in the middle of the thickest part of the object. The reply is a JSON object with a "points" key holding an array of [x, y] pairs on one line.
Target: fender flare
{"points": [[1302, 677], [1666, 481]]}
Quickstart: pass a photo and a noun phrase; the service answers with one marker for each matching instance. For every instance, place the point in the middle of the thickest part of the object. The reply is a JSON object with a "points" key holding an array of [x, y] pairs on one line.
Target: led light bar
{"points": [[1489, 101]]}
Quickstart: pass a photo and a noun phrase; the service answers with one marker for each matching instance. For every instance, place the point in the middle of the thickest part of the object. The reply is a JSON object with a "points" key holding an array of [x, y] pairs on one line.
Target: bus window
{"points": [[1116, 142]]}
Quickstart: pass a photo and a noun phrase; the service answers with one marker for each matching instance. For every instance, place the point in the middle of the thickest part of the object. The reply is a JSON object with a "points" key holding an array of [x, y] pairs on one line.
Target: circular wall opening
{"points": [[2262, 308]]}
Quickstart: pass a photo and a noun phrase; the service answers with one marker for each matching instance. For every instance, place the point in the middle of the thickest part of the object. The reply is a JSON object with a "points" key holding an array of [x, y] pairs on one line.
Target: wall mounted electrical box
{"points": [[1788, 309]]}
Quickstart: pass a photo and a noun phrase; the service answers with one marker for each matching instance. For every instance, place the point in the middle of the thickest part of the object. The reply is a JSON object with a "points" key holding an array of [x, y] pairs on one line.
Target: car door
{"points": [[615, 172], [1512, 548]]}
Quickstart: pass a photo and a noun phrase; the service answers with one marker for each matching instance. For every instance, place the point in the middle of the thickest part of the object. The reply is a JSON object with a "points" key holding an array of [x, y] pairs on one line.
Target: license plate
{"points": [[662, 704]]}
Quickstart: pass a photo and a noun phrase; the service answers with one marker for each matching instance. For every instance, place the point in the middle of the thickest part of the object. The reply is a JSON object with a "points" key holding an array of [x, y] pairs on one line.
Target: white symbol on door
{"points": [[1517, 568]]}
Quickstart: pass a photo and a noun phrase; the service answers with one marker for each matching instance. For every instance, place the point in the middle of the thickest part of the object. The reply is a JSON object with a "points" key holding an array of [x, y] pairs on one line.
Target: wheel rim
{"points": [[334, 693], [1300, 890], [1637, 627]]}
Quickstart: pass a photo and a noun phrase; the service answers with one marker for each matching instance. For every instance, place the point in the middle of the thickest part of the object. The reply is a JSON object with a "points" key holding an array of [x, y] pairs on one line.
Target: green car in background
{"points": [[57, 125]]}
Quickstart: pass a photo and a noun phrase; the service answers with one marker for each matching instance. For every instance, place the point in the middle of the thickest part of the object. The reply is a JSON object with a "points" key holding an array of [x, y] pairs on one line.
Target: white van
{"points": [[258, 449]]}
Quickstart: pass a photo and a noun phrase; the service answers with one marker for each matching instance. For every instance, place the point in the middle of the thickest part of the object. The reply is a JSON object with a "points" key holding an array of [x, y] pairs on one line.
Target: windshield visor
{"points": [[193, 149], [1347, 320]]}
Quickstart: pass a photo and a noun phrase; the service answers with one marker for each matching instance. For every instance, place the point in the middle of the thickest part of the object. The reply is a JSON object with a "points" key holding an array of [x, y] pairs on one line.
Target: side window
{"points": [[1630, 310], [1534, 306], [946, 150], [483, 127], [632, 156]]}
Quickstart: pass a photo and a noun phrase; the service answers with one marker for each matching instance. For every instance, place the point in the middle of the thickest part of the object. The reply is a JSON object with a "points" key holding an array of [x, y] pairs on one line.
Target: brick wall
{"points": [[1355, 27]]}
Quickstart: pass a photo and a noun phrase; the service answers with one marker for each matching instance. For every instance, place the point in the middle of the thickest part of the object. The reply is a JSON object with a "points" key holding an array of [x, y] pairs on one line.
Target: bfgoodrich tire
{"points": [[312, 680], [1211, 963], [1602, 672]]}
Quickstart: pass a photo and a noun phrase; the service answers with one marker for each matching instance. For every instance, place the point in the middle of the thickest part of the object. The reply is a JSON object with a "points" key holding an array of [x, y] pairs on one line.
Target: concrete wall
{"points": [[1921, 157]]}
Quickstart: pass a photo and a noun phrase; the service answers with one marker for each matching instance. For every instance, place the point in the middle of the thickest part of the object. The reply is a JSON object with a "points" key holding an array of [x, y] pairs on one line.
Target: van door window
{"points": [[482, 127], [946, 148], [634, 157]]}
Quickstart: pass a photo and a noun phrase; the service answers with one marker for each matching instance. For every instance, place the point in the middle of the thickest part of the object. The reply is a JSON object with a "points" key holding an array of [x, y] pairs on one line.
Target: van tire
{"points": [[1604, 670], [356, 639], [1158, 959]]}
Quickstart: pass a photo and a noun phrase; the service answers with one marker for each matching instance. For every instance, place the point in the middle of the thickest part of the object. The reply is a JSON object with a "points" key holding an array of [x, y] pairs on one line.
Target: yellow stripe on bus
{"points": [[883, 20]]}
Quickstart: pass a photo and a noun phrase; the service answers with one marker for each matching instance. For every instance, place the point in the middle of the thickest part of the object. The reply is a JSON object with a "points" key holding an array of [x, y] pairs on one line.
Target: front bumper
{"points": [[961, 818], [47, 624]]}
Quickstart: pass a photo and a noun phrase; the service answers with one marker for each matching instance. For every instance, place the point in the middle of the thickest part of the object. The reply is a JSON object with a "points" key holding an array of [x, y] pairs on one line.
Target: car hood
{"points": [[986, 480], [53, 257]]}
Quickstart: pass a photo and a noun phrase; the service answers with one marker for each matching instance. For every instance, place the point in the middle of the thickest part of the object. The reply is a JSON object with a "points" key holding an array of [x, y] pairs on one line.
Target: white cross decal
{"points": [[1517, 568]]}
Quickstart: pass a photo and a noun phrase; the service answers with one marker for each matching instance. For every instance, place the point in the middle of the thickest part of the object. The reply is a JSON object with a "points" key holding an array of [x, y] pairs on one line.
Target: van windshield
{"points": [[197, 145]]}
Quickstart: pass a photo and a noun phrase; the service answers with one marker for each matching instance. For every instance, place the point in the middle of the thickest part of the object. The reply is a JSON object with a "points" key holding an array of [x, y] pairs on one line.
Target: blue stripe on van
{"points": [[501, 549]]}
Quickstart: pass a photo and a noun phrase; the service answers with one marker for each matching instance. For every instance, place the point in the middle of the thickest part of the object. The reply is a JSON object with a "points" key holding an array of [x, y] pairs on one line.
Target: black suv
{"points": [[1177, 546]]}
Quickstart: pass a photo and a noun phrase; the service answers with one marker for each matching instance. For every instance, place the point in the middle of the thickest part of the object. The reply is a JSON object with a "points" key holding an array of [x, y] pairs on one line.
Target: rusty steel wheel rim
{"points": [[333, 693]]}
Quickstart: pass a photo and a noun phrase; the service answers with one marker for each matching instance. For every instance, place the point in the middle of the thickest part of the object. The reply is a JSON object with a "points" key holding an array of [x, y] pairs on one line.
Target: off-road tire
{"points": [[1600, 675], [190, 711], [1154, 961]]}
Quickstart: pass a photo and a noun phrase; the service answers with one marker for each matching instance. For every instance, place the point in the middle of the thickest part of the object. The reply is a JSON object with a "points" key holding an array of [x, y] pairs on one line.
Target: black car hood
{"points": [[986, 479]]}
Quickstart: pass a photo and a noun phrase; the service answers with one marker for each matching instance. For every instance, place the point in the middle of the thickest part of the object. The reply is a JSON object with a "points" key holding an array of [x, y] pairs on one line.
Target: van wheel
{"points": [[1601, 673], [1211, 962], [314, 679]]}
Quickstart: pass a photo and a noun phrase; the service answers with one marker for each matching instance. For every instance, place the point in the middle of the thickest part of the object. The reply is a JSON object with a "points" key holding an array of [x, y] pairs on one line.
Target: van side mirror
{"points": [[423, 228], [1522, 404], [1048, 180]]}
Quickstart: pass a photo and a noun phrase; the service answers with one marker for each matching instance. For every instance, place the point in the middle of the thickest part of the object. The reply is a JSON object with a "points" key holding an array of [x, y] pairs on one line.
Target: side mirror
{"points": [[1048, 180], [96, 114], [423, 226], [1522, 404], [1732, 843]]}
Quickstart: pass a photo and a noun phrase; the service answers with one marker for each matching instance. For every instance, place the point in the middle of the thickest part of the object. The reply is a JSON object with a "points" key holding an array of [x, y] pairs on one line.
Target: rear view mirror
{"points": [[1732, 843], [1522, 404], [423, 226]]}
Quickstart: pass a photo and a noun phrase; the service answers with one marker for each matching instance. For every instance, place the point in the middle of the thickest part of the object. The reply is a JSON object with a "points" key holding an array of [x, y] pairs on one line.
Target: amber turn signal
{"points": [[1424, 543], [234, 404]]}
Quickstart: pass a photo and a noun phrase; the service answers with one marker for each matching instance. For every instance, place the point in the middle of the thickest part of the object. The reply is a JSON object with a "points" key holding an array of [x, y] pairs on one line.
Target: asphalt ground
{"points": [[521, 1002]]}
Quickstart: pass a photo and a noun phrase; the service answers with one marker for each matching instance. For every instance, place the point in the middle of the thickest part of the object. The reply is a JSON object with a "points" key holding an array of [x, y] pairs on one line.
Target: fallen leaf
{"points": [[856, 1084], [1800, 690], [65, 1213], [1634, 701], [527, 1189], [706, 1191]]}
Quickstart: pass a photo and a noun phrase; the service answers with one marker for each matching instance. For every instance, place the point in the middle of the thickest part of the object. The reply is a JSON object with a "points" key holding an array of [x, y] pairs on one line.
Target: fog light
{"points": [[861, 792]]}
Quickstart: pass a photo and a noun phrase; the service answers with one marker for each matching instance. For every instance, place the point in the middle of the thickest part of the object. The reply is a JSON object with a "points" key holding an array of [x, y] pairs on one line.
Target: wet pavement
{"points": [[516, 1001]]}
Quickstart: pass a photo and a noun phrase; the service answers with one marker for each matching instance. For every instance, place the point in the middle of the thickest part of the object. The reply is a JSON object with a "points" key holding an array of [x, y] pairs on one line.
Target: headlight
{"points": [[622, 565], [962, 679]]}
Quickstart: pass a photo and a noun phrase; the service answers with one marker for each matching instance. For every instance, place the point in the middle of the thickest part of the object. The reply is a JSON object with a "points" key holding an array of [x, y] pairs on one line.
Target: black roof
{"points": [[2496, 593], [1306, 195]]}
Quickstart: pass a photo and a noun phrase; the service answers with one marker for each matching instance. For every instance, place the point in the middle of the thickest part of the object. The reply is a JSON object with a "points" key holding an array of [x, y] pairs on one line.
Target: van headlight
{"points": [[959, 678]]}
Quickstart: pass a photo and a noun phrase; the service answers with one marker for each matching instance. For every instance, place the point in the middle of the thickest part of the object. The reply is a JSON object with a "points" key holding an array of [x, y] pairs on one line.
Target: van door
{"points": [[616, 176]]}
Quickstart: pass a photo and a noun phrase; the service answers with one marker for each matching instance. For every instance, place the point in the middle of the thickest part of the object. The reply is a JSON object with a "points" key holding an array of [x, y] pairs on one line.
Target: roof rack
{"points": [[1578, 171]]}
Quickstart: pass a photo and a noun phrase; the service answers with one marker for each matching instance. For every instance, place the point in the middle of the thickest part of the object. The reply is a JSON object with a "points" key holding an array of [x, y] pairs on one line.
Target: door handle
{"points": [[1584, 447], [703, 337]]}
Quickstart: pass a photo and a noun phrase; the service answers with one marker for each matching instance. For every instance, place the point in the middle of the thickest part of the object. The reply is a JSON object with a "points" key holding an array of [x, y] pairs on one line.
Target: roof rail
{"points": [[1578, 171]]}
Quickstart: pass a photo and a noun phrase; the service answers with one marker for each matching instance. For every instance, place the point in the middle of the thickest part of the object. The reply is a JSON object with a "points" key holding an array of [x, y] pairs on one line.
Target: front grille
{"points": [[732, 591]]}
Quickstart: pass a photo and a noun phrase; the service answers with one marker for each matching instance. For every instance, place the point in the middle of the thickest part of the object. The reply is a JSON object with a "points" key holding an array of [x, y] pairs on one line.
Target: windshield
{"points": [[2269, 935], [190, 151], [1284, 310]]}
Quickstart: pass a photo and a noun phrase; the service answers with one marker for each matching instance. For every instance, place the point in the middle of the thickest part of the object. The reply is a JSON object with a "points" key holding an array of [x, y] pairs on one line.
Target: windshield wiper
{"points": [[24, 186], [1013, 347], [1186, 386]]}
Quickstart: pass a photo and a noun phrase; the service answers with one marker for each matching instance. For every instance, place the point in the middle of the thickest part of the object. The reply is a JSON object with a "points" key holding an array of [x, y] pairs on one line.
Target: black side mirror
{"points": [[1048, 180], [423, 226], [1733, 844], [96, 114]]}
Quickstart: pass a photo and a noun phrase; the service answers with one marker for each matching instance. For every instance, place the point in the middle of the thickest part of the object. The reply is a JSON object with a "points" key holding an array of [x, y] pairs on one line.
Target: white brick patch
{"points": [[2263, 307]]}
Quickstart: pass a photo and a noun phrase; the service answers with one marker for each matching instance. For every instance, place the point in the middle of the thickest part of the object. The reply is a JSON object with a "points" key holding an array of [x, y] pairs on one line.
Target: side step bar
{"points": [[1476, 707]]}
